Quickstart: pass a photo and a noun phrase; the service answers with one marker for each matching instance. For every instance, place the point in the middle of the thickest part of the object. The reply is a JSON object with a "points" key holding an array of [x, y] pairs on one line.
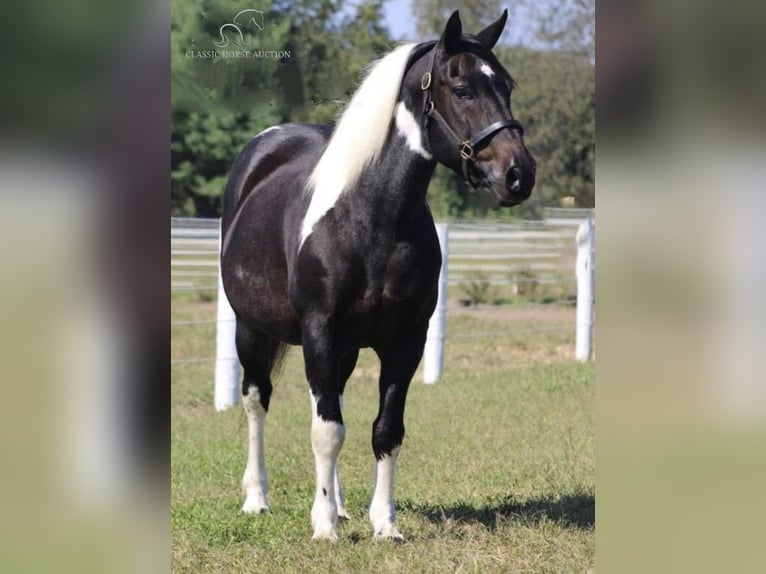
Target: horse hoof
{"points": [[329, 535], [389, 534], [343, 513], [254, 507]]}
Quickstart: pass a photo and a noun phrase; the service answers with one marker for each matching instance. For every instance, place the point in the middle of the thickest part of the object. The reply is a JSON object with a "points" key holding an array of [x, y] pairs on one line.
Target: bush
{"points": [[526, 282], [478, 289]]}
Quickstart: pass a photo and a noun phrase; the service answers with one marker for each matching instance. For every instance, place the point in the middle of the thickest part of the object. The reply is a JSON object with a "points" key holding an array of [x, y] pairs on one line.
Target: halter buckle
{"points": [[466, 151], [425, 81], [429, 107]]}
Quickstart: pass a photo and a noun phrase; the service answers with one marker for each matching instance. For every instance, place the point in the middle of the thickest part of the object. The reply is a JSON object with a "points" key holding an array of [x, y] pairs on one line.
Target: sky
{"points": [[400, 20], [401, 23]]}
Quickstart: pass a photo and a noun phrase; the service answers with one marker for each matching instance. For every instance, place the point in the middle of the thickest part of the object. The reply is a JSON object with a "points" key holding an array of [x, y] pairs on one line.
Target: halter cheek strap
{"points": [[467, 146]]}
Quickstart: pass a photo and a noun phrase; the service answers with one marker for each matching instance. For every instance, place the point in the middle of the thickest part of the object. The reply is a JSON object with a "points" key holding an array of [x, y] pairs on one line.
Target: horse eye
{"points": [[461, 92]]}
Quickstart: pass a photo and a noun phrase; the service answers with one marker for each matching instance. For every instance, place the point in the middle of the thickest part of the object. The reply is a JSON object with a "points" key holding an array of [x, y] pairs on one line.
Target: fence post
{"points": [[433, 354], [226, 359], [585, 289]]}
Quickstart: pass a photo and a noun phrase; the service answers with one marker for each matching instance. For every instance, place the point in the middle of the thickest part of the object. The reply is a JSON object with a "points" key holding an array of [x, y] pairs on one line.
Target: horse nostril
{"points": [[513, 178]]}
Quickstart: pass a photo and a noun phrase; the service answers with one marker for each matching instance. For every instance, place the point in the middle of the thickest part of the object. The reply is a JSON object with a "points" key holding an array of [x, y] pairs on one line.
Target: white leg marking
{"points": [[408, 127], [326, 440], [382, 512], [486, 70], [340, 497], [255, 481]]}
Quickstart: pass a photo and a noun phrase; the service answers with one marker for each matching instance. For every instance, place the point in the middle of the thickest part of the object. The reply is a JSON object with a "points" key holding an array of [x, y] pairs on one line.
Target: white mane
{"points": [[358, 137]]}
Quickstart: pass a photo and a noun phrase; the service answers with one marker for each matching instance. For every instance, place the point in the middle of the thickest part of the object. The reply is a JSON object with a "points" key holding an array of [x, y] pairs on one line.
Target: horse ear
{"points": [[453, 31], [489, 35]]}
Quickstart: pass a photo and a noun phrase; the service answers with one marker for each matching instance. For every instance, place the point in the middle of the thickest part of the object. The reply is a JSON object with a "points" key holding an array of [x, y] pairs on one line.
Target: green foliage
{"points": [[556, 101], [219, 104]]}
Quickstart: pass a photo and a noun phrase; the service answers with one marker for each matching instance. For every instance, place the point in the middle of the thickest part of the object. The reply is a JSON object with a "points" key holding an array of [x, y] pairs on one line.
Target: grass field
{"points": [[496, 473]]}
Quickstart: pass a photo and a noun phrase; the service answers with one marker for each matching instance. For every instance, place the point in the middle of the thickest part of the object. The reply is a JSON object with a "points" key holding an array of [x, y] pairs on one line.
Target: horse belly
{"points": [[265, 303]]}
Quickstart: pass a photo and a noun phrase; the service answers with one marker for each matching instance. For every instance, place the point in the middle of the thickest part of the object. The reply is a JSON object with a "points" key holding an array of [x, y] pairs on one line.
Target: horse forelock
{"points": [[359, 135]]}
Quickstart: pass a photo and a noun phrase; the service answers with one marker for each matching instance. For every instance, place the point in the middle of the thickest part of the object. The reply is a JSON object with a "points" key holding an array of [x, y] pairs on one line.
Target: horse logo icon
{"points": [[233, 28]]}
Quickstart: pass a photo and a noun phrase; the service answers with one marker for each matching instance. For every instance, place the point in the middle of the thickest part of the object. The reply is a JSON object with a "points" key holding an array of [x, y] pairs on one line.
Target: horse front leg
{"points": [[327, 431], [398, 364]]}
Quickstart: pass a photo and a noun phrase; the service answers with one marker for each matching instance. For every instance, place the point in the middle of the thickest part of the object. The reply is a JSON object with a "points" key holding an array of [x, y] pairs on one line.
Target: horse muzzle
{"points": [[517, 186]]}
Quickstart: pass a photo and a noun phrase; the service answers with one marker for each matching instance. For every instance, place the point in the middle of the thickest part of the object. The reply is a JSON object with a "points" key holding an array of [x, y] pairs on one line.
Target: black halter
{"points": [[467, 146]]}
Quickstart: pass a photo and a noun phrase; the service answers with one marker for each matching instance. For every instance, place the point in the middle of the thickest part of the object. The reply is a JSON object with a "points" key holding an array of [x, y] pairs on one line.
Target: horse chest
{"points": [[401, 288]]}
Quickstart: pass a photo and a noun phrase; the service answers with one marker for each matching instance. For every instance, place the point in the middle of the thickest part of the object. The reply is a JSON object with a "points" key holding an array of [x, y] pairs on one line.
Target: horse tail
{"points": [[279, 361]]}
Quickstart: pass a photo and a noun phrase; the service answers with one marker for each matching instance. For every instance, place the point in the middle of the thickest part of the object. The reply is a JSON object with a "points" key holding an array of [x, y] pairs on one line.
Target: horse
{"points": [[328, 243]]}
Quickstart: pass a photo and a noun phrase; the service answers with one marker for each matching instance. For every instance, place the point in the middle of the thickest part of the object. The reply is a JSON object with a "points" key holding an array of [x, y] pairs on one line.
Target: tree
{"points": [[564, 103], [556, 101]]}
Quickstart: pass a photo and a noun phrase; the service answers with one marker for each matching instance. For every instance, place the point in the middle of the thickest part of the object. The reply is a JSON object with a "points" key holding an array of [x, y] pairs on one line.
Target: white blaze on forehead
{"points": [[487, 70], [407, 126]]}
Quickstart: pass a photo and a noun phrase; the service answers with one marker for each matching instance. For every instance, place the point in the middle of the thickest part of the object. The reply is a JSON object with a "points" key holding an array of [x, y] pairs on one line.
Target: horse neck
{"points": [[396, 185]]}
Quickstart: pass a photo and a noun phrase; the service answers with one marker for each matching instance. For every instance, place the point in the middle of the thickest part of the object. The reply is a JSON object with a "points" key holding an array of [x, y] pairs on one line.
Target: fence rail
{"points": [[500, 254]]}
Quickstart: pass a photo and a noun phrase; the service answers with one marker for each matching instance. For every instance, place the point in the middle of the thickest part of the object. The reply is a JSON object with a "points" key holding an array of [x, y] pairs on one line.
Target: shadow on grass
{"points": [[577, 511]]}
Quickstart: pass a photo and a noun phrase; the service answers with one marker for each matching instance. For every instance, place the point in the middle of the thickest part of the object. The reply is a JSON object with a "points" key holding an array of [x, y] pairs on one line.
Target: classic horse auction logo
{"points": [[232, 31], [237, 35]]}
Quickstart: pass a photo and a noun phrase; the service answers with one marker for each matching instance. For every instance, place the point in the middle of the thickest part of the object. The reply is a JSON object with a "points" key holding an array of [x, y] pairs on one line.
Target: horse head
{"points": [[467, 94]]}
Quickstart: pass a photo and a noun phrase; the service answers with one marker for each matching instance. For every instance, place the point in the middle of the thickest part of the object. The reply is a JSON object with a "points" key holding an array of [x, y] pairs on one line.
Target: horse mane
{"points": [[359, 134]]}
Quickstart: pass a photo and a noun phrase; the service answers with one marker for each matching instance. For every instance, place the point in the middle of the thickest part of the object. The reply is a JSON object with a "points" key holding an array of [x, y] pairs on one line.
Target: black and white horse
{"points": [[328, 243]]}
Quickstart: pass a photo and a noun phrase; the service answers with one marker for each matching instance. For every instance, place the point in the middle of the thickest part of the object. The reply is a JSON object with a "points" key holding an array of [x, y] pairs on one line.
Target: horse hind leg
{"points": [[258, 354], [347, 364]]}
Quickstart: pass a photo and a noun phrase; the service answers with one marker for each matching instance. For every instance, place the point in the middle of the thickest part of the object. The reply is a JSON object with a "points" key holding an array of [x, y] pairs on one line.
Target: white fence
{"points": [[516, 258], [496, 253]]}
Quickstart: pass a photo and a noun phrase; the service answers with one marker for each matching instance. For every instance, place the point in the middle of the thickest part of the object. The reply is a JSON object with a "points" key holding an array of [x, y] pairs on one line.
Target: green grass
{"points": [[496, 473]]}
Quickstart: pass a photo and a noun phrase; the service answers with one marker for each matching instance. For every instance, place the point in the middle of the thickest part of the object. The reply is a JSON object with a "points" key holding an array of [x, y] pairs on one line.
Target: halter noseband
{"points": [[467, 147]]}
